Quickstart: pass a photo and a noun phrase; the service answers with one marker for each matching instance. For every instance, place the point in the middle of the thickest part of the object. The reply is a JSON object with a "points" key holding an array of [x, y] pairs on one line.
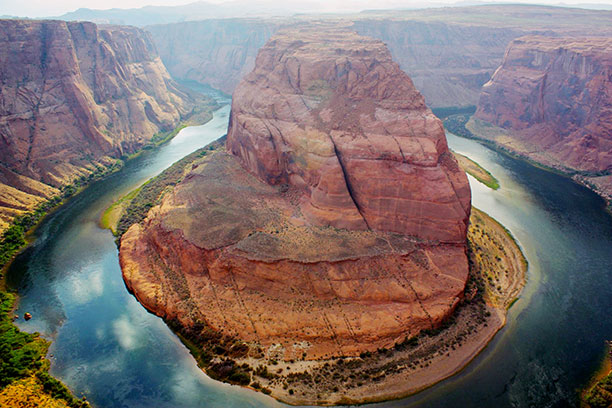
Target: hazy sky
{"points": [[42, 8]]}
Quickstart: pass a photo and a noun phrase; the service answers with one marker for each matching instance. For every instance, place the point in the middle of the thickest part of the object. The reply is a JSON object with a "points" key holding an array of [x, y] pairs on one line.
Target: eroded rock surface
{"points": [[551, 100], [341, 122], [335, 222], [74, 96]]}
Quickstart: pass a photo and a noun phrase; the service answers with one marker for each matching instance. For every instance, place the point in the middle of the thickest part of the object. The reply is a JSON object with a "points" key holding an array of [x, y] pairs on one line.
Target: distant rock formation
{"points": [[448, 52], [447, 62], [212, 52], [74, 96], [551, 100], [337, 224]]}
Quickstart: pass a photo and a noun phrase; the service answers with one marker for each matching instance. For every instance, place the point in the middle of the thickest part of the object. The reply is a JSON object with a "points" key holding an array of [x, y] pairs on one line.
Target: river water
{"points": [[110, 349]]}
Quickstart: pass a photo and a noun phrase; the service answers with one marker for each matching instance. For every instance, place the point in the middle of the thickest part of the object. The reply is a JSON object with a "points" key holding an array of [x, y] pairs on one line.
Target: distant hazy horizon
{"points": [[45, 8]]}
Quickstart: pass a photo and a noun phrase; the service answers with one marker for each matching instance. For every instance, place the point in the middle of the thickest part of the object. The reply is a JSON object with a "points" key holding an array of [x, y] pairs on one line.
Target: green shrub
{"points": [[151, 192], [597, 399], [227, 370], [20, 353], [239, 377], [58, 390]]}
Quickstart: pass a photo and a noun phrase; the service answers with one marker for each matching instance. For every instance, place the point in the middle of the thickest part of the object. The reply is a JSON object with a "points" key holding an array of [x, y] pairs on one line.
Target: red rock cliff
{"points": [[552, 99], [332, 133], [342, 122], [74, 95]]}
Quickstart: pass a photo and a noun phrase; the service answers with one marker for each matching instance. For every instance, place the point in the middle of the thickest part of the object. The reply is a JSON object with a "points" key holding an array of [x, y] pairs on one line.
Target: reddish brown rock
{"points": [[552, 100], [343, 123], [74, 96], [337, 225]]}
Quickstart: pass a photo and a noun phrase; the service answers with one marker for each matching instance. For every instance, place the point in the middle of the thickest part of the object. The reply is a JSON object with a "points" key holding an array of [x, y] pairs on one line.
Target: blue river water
{"points": [[110, 349]]}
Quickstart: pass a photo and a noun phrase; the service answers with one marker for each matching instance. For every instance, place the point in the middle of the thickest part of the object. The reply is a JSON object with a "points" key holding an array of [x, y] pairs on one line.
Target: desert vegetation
{"points": [[599, 392], [135, 205], [477, 171], [24, 377], [600, 396]]}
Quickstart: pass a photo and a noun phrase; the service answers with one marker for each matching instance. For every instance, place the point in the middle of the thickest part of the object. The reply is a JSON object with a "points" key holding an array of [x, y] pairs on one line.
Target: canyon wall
{"points": [[333, 223], [448, 52], [551, 100], [212, 52], [448, 63], [73, 97]]}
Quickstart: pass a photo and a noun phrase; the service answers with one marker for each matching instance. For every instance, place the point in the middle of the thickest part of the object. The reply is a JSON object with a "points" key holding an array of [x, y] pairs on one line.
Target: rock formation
{"points": [[551, 100], [348, 127], [335, 223], [74, 96]]}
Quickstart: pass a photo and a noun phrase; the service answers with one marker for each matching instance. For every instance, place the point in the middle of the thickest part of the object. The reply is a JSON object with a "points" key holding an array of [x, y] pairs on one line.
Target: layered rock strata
{"points": [[347, 126], [74, 96], [551, 100], [335, 222]]}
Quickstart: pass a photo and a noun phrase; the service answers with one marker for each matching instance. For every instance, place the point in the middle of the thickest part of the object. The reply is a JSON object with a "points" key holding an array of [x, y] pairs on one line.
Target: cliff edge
{"points": [[551, 101], [74, 97]]}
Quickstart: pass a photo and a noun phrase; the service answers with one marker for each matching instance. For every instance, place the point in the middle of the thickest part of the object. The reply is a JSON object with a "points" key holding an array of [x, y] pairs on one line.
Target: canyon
{"points": [[551, 102], [333, 222], [74, 98], [325, 251], [449, 53]]}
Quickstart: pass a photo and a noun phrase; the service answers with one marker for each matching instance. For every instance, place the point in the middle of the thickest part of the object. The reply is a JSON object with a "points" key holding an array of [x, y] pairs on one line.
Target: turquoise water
{"points": [[107, 347]]}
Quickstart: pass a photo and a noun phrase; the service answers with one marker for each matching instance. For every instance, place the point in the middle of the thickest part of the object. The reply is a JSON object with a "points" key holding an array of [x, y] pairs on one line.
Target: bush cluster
{"points": [[22, 355], [150, 193]]}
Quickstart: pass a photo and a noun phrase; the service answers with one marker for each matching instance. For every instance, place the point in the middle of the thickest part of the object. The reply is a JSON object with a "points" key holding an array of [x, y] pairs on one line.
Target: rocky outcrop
{"points": [[75, 96], [346, 125], [551, 100], [334, 224]]}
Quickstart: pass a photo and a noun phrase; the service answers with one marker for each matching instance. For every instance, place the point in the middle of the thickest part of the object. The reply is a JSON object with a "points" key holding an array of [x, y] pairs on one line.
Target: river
{"points": [[110, 349]]}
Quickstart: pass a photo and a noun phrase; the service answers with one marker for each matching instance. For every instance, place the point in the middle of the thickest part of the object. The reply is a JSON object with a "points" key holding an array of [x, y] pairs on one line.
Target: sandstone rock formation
{"points": [[551, 100], [347, 126], [336, 225], [74, 96]]}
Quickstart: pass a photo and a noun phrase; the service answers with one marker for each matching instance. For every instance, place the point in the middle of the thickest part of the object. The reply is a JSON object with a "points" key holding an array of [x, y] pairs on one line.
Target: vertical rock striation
{"points": [[74, 96], [342, 122], [551, 100]]}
